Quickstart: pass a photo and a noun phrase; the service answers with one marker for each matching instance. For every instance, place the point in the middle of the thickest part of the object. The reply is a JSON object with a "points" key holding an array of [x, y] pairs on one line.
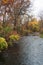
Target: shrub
{"points": [[14, 37], [6, 32], [7, 29], [3, 44], [1, 31], [34, 26]]}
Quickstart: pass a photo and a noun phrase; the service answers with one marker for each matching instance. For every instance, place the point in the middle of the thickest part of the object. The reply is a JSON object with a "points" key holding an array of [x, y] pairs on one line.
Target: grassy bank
{"points": [[41, 35]]}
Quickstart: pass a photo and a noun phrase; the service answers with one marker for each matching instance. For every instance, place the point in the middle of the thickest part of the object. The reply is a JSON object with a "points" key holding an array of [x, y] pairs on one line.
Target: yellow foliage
{"points": [[14, 37], [2, 39], [3, 43], [17, 37], [5, 1], [34, 25]]}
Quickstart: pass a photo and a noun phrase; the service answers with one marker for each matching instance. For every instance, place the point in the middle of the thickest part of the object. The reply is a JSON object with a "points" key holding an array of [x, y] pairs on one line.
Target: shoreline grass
{"points": [[41, 35]]}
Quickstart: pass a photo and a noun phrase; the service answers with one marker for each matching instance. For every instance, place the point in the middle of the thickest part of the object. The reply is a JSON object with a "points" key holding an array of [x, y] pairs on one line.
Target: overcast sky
{"points": [[37, 7]]}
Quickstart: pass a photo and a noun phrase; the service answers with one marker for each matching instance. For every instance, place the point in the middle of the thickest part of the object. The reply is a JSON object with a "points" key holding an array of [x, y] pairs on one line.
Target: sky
{"points": [[37, 7]]}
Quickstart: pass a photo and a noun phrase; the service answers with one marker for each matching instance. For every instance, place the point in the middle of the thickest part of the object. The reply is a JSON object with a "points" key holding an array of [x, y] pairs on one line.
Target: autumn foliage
{"points": [[7, 1], [34, 25]]}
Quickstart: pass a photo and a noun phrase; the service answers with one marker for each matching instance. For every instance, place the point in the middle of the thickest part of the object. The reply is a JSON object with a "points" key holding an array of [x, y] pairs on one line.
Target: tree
{"points": [[13, 9], [41, 21]]}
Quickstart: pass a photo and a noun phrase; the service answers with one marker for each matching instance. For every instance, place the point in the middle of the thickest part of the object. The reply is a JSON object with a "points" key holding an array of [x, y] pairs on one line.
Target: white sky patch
{"points": [[37, 7]]}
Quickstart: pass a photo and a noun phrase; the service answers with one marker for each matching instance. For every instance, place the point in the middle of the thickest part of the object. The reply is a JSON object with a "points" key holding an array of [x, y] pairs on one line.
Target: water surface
{"points": [[28, 51]]}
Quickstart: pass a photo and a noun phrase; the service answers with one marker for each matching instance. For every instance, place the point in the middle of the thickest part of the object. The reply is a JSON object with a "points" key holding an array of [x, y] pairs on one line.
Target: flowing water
{"points": [[28, 51]]}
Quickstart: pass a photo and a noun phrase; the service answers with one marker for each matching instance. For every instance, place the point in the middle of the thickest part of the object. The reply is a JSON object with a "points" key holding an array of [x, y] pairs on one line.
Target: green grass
{"points": [[41, 35]]}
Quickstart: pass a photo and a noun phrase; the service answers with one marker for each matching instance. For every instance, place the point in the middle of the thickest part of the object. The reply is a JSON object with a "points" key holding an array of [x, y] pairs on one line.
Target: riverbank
{"points": [[34, 34], [41, 35]]}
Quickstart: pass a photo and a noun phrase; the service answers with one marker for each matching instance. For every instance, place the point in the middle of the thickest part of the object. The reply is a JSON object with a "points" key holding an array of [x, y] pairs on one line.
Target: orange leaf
{"points": [[5, 1]]}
